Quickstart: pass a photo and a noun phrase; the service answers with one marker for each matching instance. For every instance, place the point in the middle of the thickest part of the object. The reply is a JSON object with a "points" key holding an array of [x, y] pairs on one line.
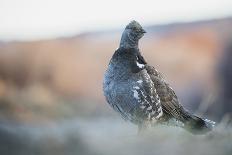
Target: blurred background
{"points": [[53, 55]]}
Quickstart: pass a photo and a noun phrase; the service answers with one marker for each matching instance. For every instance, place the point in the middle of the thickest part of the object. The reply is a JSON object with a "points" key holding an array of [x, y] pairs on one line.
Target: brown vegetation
{"points": [[35, 76]]}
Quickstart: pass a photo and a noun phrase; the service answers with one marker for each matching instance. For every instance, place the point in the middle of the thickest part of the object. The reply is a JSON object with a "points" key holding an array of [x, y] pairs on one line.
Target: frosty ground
{"points": [[112, 136]]}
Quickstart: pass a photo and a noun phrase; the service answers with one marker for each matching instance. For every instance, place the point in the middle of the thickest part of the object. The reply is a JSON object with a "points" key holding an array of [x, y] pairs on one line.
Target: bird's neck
{"points": [[127, 41]]}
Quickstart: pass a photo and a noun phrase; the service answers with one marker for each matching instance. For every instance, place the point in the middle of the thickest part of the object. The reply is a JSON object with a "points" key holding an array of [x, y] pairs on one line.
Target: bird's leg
{"points": [[141, 128]]}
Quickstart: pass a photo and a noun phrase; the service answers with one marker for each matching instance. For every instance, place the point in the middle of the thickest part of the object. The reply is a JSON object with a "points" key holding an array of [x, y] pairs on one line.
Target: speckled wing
{"points": [[147, 97], [145, 93], [168, 98]]}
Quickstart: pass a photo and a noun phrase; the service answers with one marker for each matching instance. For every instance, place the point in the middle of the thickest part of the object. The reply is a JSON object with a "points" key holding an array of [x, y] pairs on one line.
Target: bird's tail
{"points": [[197, 125]]}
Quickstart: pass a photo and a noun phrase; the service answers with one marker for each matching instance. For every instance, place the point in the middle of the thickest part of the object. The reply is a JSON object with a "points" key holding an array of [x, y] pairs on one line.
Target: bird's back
{"points": [[168, 98]]}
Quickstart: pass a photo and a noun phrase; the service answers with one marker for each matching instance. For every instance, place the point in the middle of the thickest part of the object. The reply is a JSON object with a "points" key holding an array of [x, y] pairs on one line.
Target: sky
{"points": [[43, 19]]}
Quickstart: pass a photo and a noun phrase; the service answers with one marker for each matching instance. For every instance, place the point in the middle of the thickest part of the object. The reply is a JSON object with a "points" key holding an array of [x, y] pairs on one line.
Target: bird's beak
{"points": [[143, 31]]}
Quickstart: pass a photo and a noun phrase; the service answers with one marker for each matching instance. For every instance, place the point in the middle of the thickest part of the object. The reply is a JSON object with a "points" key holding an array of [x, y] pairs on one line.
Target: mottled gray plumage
{"points": [[139, 92]]}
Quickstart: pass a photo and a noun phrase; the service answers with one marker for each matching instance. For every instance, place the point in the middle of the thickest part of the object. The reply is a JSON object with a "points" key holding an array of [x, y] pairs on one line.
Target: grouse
{"points": [[139, 92]]}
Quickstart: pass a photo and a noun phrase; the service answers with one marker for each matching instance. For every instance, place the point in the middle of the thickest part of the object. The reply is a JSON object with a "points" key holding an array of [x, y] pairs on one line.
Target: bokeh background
{"points": [[53, 55]]}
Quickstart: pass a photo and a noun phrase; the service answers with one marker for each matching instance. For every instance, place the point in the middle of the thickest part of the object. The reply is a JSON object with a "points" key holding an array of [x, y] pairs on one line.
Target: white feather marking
{"points": [[136, 87], [160, 114], [139, 65], [171, 88], [139, 81], [211, 122], [158, 102], [145, 100], [136, 94], [149, 108], [142, 106], [157, 96], [159, 109]]}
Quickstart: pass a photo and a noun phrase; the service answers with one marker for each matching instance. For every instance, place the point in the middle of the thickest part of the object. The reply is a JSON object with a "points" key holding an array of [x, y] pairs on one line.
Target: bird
{"points": [[140, 93]]}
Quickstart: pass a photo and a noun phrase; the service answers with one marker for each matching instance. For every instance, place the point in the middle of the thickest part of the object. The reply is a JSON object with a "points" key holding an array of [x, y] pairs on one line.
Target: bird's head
{"points": [[135, 30], [131, 35]]}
